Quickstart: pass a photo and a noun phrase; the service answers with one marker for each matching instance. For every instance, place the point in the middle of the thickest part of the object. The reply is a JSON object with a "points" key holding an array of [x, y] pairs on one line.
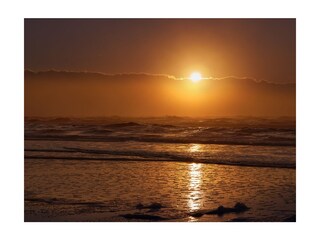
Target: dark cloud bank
{"points": [[82, 94]]}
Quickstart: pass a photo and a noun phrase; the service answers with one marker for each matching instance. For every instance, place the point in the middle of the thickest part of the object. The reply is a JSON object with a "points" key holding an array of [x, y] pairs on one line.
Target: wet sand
{"points": [[58, 190]]}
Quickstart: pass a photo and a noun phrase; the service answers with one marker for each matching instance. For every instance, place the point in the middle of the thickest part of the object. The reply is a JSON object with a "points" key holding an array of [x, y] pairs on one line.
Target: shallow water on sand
{"points": [[58, 190]]}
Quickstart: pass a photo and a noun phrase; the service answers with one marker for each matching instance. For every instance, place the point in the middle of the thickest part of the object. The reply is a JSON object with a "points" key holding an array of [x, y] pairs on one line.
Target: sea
{"points": [[115, 169]]}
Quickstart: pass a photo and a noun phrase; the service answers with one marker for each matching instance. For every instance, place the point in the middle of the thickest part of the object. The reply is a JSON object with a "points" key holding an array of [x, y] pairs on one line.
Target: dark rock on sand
{"points": [[151, 207], [196, 214], [143, 217], [241, 207], [221, 210], [238, 207]]}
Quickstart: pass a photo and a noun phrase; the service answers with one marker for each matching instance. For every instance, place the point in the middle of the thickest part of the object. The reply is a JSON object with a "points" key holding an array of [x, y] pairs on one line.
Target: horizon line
{"points": [[154, 75]]}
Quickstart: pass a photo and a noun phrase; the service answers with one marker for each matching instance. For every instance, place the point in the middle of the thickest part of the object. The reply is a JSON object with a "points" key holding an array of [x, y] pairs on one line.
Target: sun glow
{"points": [[195, 77]]}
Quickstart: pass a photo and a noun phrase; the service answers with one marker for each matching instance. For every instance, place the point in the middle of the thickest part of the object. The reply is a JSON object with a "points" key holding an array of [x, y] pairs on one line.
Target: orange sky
{"points": [[81, 94], [248, 66], [263, 49]]}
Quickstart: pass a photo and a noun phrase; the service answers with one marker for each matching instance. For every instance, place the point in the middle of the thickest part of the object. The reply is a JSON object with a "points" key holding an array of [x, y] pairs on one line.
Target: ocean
{"points": [[114, 169]]}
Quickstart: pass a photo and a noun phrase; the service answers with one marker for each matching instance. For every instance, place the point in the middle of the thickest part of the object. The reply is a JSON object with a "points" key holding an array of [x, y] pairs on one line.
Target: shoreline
{"points": [[156, 160]]}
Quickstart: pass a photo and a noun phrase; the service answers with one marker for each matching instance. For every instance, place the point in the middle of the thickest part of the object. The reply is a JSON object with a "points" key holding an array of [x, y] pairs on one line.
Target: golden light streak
{"points": [[195, 181]]}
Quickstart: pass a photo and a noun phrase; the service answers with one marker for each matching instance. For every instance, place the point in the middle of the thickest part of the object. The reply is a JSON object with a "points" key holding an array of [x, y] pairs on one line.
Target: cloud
{"points": [[52, 73], [98, 75]]}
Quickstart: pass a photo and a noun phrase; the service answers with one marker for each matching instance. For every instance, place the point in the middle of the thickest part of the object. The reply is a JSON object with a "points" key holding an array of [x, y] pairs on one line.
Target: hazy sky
{"points": [[77, 94], [260, 49]]}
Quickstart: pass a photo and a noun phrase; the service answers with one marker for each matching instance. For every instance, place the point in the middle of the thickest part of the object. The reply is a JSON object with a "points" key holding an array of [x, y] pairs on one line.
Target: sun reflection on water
{"points": [[195, 181], [195, 148]]}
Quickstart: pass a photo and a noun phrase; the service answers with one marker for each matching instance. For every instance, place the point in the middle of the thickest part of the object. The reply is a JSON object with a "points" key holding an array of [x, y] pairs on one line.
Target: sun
{"points": [[195, 77]]}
